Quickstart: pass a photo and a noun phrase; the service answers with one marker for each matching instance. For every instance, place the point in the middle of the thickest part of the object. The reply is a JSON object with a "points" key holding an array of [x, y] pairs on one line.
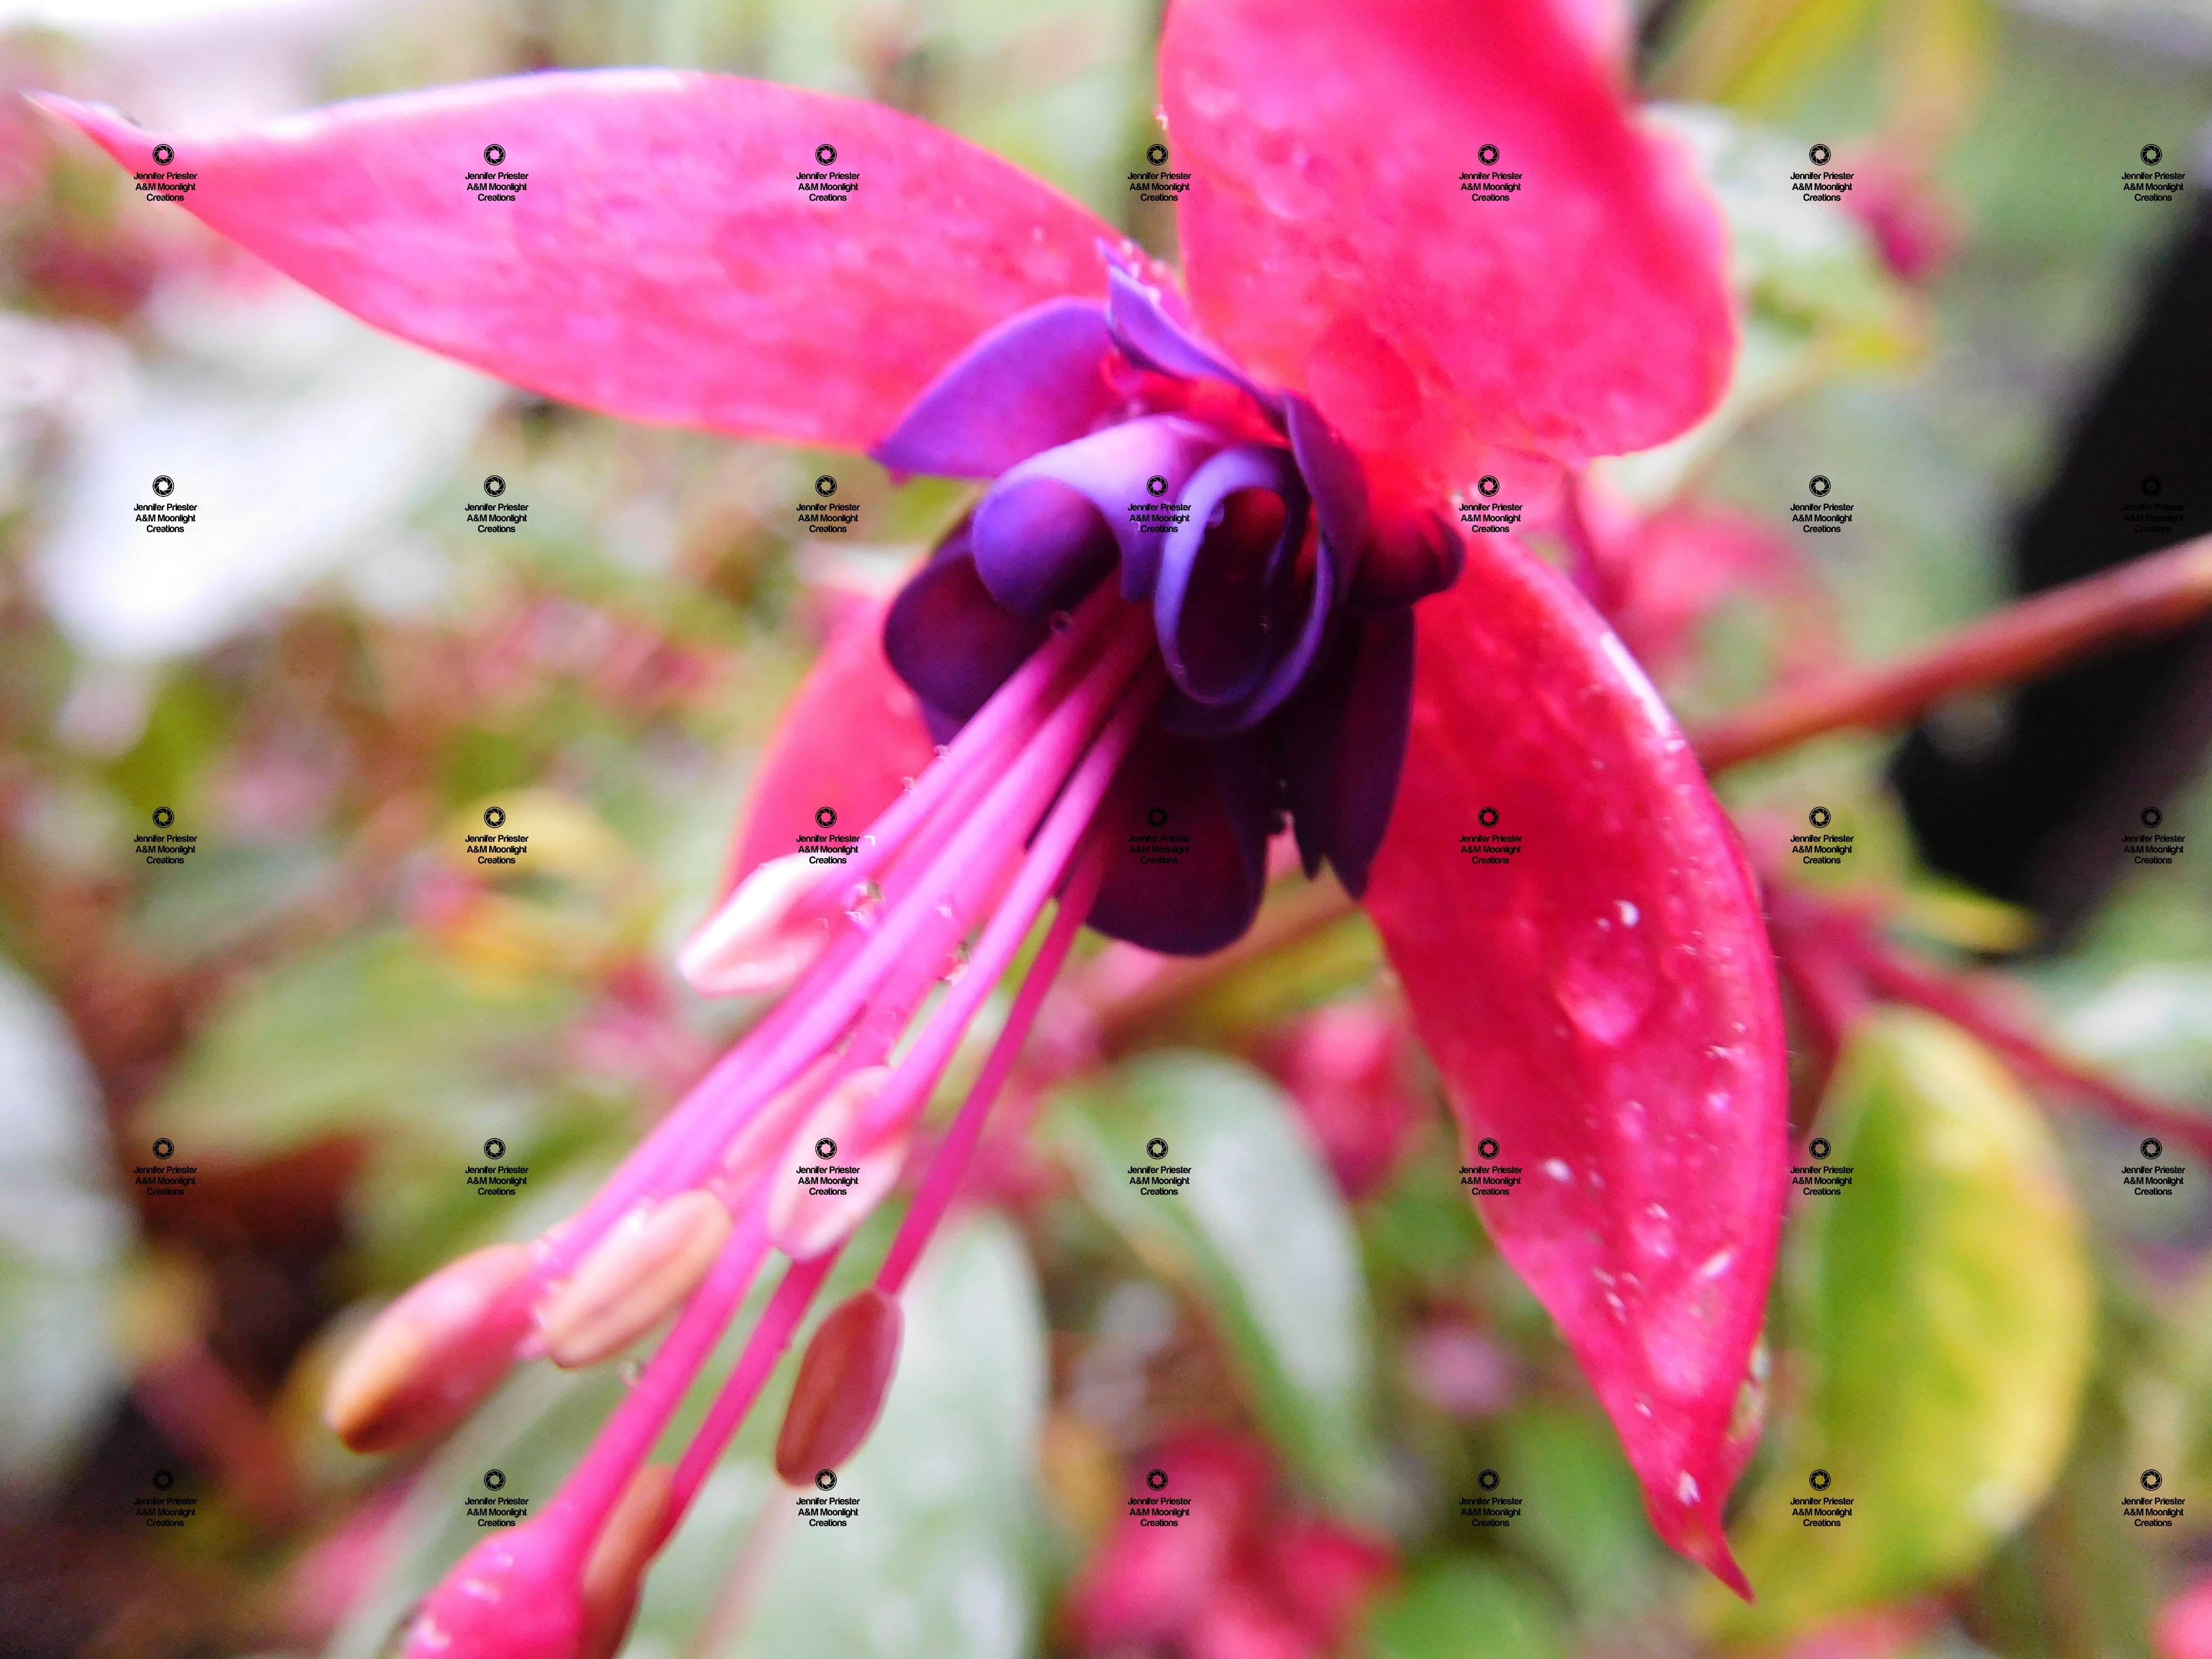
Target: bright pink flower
{"points": [[1234, 1579], [1347, 1067], [1361, 339], [2183, 1629]]}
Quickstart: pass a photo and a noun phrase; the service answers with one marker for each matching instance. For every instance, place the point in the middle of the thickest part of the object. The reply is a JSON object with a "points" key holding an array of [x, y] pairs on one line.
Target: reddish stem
{"points": [[2023, 642]]}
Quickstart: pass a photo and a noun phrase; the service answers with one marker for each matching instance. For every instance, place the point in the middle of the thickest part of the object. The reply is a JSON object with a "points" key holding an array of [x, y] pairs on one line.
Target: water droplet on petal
{"points": [[906, 784], [1629, 915], [862, 901], [632, 1370], [1605, 979], [1653, 1233], [956, 965], [943, 749], [1686, 1489], [1557, 1167]]}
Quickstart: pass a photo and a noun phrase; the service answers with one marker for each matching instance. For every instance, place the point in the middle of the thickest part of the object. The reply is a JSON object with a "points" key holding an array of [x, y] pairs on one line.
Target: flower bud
{"points": [[835, 1170], [842, 1383], [647, 1265], [616, 1568], [425, 1361], [758, 940]]}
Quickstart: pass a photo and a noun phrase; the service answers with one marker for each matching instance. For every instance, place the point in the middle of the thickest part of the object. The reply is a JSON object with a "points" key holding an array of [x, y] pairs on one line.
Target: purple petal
{"points": [[1037, 381], [1052, 526], [1202, 642], [1409, 556], [1222, 572], [1152, 339], [950, 642], [1337, 480], [1189, 883], [1342, 741]]}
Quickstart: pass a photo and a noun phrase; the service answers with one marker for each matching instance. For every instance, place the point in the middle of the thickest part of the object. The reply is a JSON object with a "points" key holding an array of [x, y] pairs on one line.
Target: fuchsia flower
{"points": [[1312, 641]]}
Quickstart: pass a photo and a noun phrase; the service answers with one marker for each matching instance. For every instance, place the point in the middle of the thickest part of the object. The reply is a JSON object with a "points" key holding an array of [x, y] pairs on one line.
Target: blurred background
{"points": [[326, 1009]]}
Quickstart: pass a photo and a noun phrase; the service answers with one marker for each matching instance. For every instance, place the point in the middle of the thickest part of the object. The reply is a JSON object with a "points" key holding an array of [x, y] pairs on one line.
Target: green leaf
{"points": [[1584, 1518], [1259, 1237], [1944, 1301], [941, 1562], [1464, 1609], [375, 1035], [62, 1232]]}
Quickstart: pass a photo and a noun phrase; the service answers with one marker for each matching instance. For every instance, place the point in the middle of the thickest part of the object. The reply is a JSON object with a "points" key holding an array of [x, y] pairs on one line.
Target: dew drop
{"points": [[862, 901], [1643, 1407], [906, 784], [1653, 1233], [1629, 915], [1605, 979], [631, 1370], [956, 965], [1686, 1489], [1556, 1169], [943, 749]]}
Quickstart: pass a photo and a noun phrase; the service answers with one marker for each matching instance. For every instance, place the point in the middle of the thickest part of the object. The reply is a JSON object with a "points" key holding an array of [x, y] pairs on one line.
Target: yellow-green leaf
{"points": [[1941, 1307]]}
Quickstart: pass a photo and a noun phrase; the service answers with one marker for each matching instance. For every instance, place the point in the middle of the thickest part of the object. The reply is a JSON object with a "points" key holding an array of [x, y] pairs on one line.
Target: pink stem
{"points": [[950, 1163], [764, 1348], [681, 1145], [583, 1502]]}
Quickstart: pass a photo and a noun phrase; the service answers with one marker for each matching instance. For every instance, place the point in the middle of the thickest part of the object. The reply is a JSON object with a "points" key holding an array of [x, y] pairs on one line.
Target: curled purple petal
{"points": [[1342, 742], [1187, 843], [1337, 480], [1151, 339], [1409, 556], [950, 642], [1037, 381], [1052, 526], [1222, 569]]}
